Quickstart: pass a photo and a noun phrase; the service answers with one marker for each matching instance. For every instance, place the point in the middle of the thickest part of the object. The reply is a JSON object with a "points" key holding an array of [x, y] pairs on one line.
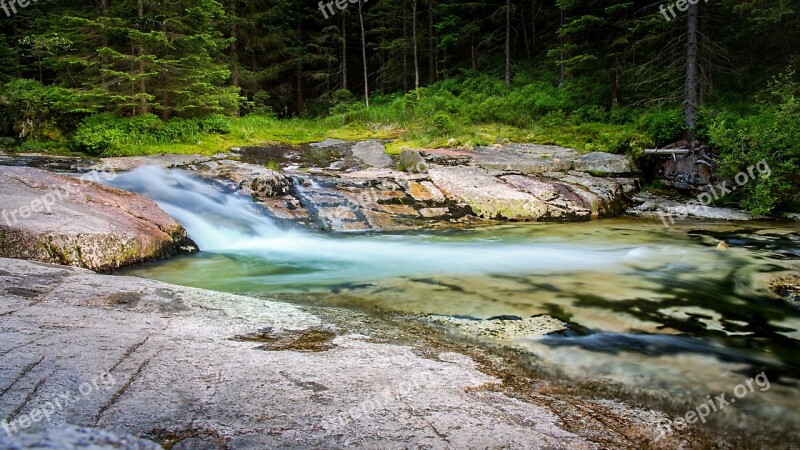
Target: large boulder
{"points": [[77, 222]]}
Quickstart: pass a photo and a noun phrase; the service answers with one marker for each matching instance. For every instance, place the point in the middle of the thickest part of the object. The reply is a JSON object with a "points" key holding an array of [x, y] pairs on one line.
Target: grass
{"points": [[265, 130]]}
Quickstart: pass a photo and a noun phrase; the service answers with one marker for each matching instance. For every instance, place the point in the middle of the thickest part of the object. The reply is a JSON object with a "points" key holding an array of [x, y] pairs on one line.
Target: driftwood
{"points": [[667, 151]]}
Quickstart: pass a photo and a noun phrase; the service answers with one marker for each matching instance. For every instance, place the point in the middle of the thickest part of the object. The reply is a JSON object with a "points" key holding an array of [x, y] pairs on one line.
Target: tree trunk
{"points": [[364, 52], [104, 58], [344, 50], [405, 48], [690, 101], [235, 53], [474, 54], [414, 38], [300, 101], [614, 77], [142, 85], [431, 46], [508, 42]]}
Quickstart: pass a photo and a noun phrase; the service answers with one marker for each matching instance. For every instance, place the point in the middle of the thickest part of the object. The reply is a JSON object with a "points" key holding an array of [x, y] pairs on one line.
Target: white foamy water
{"points": [[227, 223]]}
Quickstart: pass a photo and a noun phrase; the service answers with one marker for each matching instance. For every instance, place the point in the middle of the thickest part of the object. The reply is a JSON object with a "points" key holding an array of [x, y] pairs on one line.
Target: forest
{"points": [[123, 77]]}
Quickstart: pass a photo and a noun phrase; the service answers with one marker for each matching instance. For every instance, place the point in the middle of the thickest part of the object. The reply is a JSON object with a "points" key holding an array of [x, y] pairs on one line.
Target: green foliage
{"points": [[104, 133], [38, 111], [773, 136], [663, 125]]}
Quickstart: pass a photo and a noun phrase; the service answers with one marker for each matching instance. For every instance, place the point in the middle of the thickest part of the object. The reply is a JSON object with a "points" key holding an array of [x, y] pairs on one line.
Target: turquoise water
{"points": [[659, 311]]}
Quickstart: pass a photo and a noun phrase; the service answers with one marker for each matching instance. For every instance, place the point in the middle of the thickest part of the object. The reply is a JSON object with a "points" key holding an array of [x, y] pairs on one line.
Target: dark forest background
{"points": [[111, 76]]}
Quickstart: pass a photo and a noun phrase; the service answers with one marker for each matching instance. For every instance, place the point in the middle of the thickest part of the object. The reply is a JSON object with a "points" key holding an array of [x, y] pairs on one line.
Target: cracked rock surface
{"points": [[191, 368]]}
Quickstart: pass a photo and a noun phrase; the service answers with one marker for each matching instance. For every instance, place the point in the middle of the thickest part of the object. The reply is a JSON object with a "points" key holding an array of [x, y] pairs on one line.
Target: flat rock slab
{"points": [[213, 370], [59, 219], [487, 195], [128, 163], [525, 158], [502, 328], [671, 211], [372, 154], [600, 163], [76, 438]]}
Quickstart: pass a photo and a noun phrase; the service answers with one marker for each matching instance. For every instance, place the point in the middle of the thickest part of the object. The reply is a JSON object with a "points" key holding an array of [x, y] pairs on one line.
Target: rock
{"points": [[195, 367], [670, 211], [63, 220], [795, 217], [128, 163], [505, 328], [487, 196], [524, 158], [564, 201], [251, 179], [380, 174], [70, 437], [609, 196], [599, 163], [446, 157], [787, 287], [723, 246], [372, 154], [412, 162], [7, 141], [425, 191], [327, 143], [431, 213]]}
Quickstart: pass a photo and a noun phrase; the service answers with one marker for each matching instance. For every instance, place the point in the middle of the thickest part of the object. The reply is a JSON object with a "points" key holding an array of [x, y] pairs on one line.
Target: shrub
{"points": [[664, 126], [38, 111], [771, 135]]}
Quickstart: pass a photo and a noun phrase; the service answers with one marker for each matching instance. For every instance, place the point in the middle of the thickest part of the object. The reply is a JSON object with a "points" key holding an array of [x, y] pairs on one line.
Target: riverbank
{"points": [[198, 367]]}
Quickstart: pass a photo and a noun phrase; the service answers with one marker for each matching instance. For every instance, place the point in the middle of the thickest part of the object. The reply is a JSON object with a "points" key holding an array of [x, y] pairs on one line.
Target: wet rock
{"points": [[787, 287], [63, 220], [412, 162], [372, 154], [672, 210], [505, 328], [600, 163], [185, 375], [70, 437], [488, 196], [327, 143], [252, 179]]}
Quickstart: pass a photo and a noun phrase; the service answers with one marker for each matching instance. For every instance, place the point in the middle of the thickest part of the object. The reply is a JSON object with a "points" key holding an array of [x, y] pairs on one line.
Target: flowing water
{"points": [[658, 311]]}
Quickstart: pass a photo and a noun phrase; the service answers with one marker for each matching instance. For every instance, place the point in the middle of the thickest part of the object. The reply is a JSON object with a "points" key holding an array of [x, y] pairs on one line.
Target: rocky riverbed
{"points": [[191, 368]]}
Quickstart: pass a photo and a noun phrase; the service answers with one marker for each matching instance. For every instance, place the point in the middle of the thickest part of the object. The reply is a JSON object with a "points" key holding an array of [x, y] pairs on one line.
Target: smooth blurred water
{"points": [[661, 311]]}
